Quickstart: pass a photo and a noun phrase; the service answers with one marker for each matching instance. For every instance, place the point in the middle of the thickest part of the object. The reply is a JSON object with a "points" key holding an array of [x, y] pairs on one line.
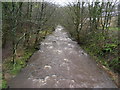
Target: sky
{"points": [[64, 2], [61, 2]]}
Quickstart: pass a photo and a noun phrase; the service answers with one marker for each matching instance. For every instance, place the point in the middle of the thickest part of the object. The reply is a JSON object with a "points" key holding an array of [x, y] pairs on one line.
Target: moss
{"points": [[22, 62], [14, 69], [4, 84], [27, 55], [114, 28], [99, 56]]}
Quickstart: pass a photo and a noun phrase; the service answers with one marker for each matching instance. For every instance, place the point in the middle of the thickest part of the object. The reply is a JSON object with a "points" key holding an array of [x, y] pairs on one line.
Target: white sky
{"points": [[64, 2], [61, 2]]}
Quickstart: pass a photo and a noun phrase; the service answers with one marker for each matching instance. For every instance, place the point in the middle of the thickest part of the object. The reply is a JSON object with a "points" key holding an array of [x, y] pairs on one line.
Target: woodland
{"points": [[93, 25]]}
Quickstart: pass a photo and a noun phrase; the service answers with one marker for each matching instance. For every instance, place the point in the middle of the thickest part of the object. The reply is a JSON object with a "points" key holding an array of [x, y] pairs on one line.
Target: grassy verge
{"points": [[10, 70], [111, 67], [112, 28]]}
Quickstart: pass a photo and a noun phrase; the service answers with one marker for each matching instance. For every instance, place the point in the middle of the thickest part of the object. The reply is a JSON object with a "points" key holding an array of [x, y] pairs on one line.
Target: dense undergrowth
{"points": [[106, 50], [112, 62]]}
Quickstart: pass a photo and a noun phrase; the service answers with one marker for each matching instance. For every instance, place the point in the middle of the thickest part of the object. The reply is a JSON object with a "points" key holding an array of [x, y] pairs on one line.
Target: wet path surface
{"points": [[61, 63]]}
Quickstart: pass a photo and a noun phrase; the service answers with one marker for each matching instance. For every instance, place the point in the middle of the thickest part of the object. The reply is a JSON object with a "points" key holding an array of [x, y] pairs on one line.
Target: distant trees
{"points": [[22, 23], [12, 13], [92, 15], [79, 18], [78, 15], [89, 24], [44, 15], [28, 19]]}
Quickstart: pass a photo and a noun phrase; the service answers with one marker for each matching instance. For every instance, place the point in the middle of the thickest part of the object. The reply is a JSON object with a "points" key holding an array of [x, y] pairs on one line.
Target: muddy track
{"points": [[61, 63]]}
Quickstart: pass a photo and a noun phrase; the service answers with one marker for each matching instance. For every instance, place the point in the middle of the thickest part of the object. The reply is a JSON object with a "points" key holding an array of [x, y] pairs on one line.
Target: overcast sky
{"points": [[60, 2], [64, 2]]}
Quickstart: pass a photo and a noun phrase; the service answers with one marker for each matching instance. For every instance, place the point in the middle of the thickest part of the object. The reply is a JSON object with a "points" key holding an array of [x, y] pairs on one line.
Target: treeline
{"points": [[94, 25], [23, 22], [24, 26]]}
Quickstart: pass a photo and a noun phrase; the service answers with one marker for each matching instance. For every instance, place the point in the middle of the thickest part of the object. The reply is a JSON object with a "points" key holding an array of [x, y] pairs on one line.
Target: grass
{"points": [[97, 58], [21, 62], [4, 83], [14, 69], [107, 55], [112, 67], [112, 28]]}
